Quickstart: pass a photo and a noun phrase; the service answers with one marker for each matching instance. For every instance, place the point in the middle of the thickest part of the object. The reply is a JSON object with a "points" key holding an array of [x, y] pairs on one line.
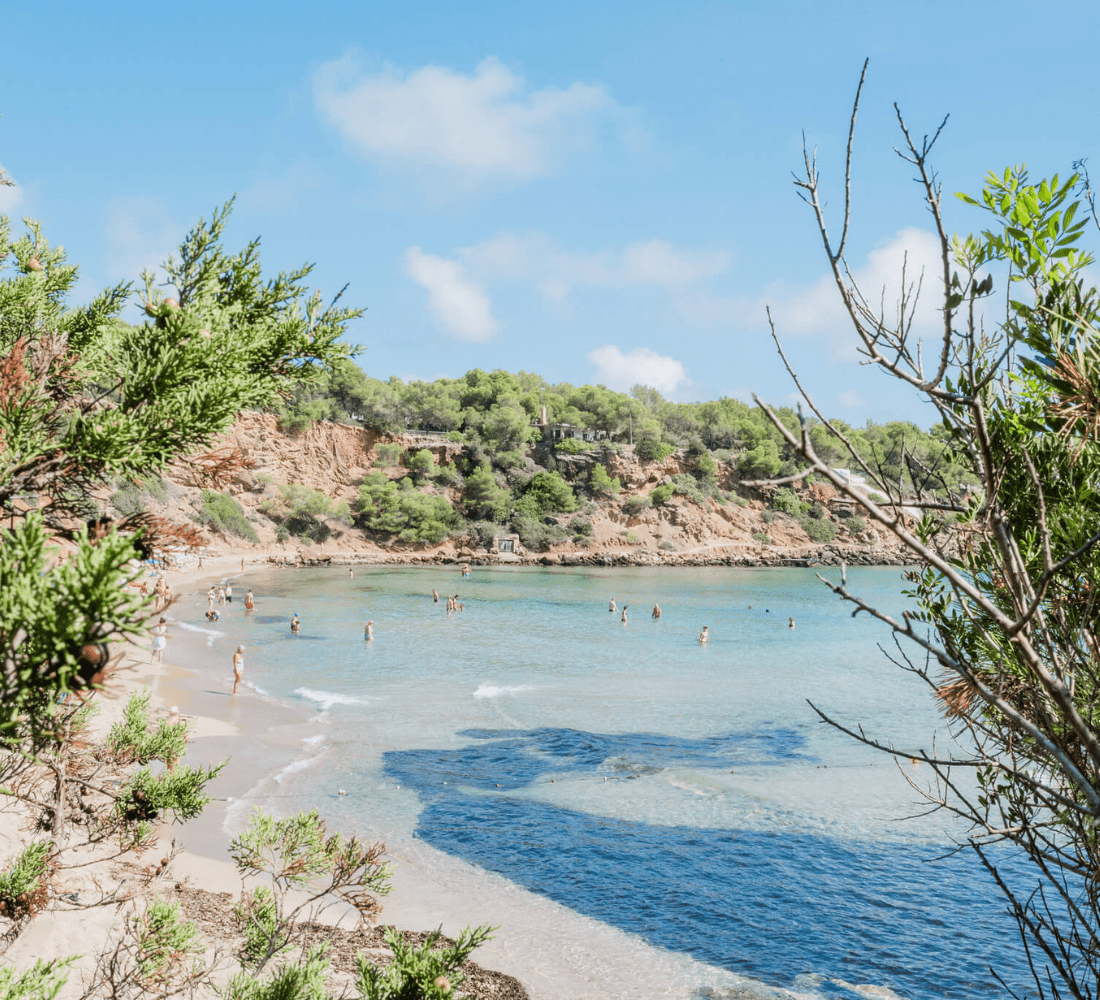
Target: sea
{"points": [[689, 796]]}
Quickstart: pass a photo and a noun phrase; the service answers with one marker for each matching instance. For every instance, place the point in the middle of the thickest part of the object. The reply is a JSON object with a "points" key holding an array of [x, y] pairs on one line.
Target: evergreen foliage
{"points": [[388, 507], [221, 512], [43, 981], [428, 972], [23, 884], [131, 741]]}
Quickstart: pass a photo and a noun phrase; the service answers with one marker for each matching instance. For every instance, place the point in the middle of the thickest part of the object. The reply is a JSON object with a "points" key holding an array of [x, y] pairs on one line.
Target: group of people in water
{"points": [[223, 594], [704, 636]]}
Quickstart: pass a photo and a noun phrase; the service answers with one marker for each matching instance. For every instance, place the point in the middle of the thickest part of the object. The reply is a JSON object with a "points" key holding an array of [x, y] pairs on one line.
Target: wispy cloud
{"points": [[460, 304], [640, 366], [537, 259], [11, 195], [480, 125]]}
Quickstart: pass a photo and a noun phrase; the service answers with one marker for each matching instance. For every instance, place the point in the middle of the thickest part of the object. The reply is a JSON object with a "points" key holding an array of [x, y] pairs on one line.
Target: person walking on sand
{"points": [[704, 636], [160, 640], [238, 668], [368, 632], [623, 618], [229, 593], [242, 564], [249, 601], [656, 610], [611, 606], [295, 624]]}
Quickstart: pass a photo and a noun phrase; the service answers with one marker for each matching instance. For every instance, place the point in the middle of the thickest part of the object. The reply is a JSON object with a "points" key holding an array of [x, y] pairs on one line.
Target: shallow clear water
{"points": [[686, 794]]}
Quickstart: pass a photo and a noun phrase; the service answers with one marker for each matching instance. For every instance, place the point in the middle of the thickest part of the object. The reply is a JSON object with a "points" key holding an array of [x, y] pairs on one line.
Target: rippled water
{"points": [[686, 794]]}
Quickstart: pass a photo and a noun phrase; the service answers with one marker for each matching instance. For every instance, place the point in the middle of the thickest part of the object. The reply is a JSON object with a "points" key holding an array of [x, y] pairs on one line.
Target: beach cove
{"points": [[627, 805]]}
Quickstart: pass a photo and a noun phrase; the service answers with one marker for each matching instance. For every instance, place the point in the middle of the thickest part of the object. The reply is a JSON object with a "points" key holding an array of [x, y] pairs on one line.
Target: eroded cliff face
{"points": [[334, 459]]}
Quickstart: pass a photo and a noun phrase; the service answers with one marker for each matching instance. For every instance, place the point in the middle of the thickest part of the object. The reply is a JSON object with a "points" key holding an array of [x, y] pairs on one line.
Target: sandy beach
{"points": [[551, 950]]}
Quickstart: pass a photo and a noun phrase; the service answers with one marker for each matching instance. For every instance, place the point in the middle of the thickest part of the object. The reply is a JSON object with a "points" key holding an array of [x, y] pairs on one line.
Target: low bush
{"points": [[631, 539], [24, 886], [167, 945], [600, 482], [421, 464], [662, 494], [649, 449], [667, 547], [636, 504], [580, 527], [428, 971], [131, 740], [536, 535], [221, 512], [786, 501], [855, 524], [761, 537], [686, 485], [127, 500], [820, 528], [446, 475], [302, 510], [546, 493], [768, 516], [387, 455]]}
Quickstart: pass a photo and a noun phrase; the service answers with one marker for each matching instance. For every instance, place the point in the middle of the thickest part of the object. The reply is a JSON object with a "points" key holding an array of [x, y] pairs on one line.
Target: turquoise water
{"points": [[685, 794]]}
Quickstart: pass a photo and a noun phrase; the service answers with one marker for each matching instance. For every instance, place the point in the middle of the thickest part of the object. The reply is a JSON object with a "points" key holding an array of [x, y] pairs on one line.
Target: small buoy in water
{"points": [[341, 792]]}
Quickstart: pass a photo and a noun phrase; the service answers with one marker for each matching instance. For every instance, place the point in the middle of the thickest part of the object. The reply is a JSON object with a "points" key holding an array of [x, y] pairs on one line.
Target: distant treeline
{"points": [[496, 414]]}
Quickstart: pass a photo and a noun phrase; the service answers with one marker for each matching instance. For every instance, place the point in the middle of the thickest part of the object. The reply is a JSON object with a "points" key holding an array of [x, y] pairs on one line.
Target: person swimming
{"points": [[295, 623], [704, 636]]}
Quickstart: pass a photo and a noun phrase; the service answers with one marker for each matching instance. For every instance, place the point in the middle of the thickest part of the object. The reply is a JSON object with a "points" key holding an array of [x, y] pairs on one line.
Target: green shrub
{"points": [[667, 547], [600, 482], [166, 944], [652, 449], [386, 507], [631, 539], [421, 464], [387, 455], [257, 915], [574, 446], [482, 533], [130, 740], [537, 536], [820, 529], [855, 524], [768, 516], [761, 537], [705, 469], [43, 981], [546, 493], [304, 979], [446, 475], [221, 512], [281, 534], [24, 886], [686, 485], [876, 498], [484, 499], [146, 796], [580, 527], [786, 501], [265, 478], [127, 500], [430, 971], [762, 462], [661, 494], [636, 504]]}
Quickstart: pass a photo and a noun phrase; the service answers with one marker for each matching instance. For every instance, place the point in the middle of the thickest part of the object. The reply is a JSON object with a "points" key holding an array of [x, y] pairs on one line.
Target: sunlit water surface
{"points": [[686, 794]]}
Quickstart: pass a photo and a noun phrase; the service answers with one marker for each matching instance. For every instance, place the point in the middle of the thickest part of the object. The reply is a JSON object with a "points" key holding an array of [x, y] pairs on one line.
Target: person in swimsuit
{"points": [[211, 597], [790, 623], [238, 667], [229, 593], [704, 636], [368, 632], [212, 615], [221, 594], [160, 640], [611, 606], [295, 624], [623, 618], [656, 610], [249, 601], [242, 564], [435, 596], [351, 573]]}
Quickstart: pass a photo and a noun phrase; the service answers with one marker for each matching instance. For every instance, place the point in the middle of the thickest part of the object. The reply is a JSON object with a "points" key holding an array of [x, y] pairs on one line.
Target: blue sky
{"points": [[592, 192]]}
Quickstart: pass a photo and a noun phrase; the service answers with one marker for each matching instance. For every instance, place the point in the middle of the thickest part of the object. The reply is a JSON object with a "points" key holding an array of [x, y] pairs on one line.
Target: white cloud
{"points": [[850, 399], [461, 305], [11, 195], [537, 259], [481, 125], [642, 366]]}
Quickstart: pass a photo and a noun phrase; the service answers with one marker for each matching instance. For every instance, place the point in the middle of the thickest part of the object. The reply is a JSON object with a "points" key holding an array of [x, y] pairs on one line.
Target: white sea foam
{"points": [[326, 699], [298, 765], [493, 691], [313, 739], [195, 628]]}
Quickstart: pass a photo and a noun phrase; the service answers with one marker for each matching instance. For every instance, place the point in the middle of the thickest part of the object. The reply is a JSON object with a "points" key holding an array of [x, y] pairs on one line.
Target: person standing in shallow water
{"points": [[435, 596], [295, 624], [249, 601], [611, 607], [704, 636], [229, 593], [238, 668], [623, 618], [656, 610], [160, 640], [790, 623], [368, 631]]}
